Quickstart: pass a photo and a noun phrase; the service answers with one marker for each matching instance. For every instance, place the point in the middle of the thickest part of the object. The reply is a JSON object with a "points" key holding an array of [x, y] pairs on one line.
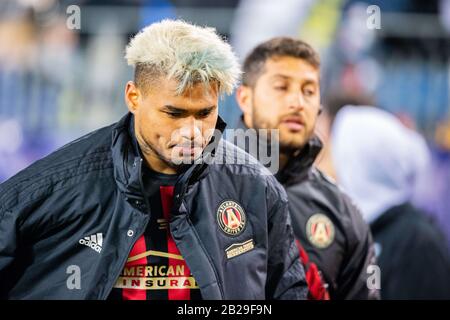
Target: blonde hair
{"points": [[188, 53]]}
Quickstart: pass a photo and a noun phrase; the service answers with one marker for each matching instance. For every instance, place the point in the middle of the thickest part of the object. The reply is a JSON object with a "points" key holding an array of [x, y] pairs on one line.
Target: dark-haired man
{"points": [[281, 91]]}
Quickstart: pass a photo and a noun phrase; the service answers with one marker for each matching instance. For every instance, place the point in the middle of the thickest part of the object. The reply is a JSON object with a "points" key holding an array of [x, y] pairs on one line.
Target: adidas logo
{"points": [[94, 242]]}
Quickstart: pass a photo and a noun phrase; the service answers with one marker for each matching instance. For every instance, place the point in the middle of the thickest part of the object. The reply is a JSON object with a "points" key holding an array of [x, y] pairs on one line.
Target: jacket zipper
{"points": [[122, 264], [124, 261], [141, 233], [207, 255], [201, 245]]}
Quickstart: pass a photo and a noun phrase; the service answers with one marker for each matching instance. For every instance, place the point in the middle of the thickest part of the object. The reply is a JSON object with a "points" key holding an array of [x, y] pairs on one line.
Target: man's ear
{"points": [[244, 96], [132, 95]]}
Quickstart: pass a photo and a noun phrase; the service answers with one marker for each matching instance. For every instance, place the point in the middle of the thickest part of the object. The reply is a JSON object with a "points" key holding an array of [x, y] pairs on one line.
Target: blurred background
{"points": [[58, 82]]}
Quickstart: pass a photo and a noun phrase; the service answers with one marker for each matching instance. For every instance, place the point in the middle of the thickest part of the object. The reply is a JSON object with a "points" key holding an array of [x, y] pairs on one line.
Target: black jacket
{"points": [[412, 255], [342, 259], [93, 185]]}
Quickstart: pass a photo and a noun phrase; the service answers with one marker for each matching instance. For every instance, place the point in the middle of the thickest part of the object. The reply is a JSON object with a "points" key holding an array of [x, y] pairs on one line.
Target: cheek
{"points": [[267, 107], [146, 116], [155, 129], [167, 133], [311, 117], [209, 124]]}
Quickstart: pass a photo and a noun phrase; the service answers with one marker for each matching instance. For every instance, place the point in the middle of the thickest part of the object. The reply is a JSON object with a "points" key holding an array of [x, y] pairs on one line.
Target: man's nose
{"points": [[296, 101], [191, 129]]}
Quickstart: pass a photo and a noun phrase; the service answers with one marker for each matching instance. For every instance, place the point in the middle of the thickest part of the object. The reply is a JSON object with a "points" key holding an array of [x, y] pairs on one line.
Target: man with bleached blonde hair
{"points": [[134, 210]]}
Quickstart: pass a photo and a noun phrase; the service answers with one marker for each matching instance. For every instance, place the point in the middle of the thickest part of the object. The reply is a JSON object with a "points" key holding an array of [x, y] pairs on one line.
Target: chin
{"points": [[294, 140], [185, 159], [291, 144]]}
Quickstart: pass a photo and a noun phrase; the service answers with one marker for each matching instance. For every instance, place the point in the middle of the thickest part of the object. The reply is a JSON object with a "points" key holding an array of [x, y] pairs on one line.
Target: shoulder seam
{"points": [[37, 184]]}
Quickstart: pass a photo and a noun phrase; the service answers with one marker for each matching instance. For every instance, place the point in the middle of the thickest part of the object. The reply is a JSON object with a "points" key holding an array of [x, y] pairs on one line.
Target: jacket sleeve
{"points": [[360, 255], [286, 276], [8, 246], [17, 229]]}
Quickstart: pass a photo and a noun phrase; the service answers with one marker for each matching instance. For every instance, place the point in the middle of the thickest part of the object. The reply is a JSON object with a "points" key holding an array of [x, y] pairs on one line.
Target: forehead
{"points": [[292, 68], [199, 94]]}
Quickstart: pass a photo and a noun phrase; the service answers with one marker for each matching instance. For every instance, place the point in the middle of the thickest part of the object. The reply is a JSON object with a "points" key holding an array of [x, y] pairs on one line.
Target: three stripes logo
{"points": [[94, 242]]}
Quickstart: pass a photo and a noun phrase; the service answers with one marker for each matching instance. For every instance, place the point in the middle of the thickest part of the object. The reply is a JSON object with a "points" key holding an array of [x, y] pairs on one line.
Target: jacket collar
{"points": [[128, 160], [301, 161]]}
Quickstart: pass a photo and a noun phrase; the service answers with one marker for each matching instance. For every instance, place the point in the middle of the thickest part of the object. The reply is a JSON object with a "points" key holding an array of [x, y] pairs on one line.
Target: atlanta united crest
{"points": [[231, 218], [320, 230]]}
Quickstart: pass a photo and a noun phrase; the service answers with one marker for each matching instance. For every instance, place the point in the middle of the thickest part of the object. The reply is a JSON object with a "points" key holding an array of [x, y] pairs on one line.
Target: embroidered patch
{"points": [[231, 218], [237, 249], [320, 230]]}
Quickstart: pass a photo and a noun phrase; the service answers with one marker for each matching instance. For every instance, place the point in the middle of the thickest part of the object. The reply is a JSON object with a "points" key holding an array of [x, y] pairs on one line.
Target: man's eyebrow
{"points": [[310, 81], [178, 109], [207, 108], [306, 80], [173, 109], [279, 75]]}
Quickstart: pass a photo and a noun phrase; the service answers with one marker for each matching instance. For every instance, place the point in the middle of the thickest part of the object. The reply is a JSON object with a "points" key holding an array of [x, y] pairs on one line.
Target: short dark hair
{"points": [[145, 76], [276, 47]]}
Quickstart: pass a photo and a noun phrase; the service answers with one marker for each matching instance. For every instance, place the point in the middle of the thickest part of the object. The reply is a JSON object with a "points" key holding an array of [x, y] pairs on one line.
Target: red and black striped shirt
{"points": [[155, 269]]}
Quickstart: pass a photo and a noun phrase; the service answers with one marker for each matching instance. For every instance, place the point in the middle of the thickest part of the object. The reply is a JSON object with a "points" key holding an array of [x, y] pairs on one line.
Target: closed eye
{"points": [[174, 114], [204, 114], [309, 92]]}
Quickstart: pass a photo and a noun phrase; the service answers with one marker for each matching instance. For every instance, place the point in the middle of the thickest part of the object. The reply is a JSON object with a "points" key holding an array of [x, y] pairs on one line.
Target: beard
{"points": [[175, 158], [149, 149], [286, 144]]}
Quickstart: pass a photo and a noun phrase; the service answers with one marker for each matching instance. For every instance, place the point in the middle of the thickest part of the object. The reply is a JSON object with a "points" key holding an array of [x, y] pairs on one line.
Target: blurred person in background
{"points": [[332, 103], [436, 201], [36, 54], [281, 90], [433, 201], [378, 162]]}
